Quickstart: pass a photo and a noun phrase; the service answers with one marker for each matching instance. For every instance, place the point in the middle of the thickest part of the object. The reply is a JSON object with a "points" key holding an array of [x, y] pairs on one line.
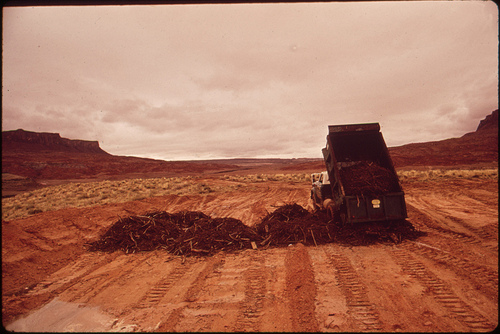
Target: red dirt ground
{"points": [[444, 281]]}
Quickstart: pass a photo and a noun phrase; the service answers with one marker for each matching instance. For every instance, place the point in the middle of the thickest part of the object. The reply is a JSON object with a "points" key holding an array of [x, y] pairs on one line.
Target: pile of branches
{"points": [[194, 233], [368, 178], [291, 223], [182, 233]]}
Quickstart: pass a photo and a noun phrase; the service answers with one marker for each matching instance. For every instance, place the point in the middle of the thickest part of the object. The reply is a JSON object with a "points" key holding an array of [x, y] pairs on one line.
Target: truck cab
{"points": [[321, 190]]}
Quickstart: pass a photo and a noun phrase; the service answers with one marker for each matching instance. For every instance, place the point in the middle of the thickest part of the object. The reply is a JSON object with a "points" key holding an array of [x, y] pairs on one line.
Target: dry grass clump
{"points": [[99, 193], [435, 174], [268, 177]]}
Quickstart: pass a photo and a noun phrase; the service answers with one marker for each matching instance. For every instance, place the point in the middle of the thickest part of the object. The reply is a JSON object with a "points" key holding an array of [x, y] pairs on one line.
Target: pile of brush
{"points": [[194, 233], [368, 178], [291, 223], [182, 233]]}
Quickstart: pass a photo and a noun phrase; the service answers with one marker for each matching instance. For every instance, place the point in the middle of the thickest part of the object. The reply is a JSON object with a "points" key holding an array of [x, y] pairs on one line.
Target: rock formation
{"points": [[36, 141], [490, 122]]}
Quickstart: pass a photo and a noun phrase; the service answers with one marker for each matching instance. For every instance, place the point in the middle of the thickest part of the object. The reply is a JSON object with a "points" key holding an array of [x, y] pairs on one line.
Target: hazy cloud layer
{"points": [[248, 80]]}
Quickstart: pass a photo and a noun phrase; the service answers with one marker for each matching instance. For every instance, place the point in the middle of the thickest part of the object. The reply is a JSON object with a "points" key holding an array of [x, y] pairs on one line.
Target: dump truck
{"points": [[360, 183]]}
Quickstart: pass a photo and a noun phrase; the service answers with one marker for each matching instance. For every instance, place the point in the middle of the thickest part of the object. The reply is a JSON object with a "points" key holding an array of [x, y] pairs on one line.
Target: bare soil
{"points": [[446, 280]]}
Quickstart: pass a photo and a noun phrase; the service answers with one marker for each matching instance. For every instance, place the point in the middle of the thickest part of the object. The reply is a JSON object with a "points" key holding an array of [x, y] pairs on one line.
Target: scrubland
{"points": [[99, 193]]}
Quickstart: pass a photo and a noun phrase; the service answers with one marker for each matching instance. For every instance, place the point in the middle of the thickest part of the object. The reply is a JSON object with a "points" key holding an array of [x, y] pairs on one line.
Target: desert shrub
{"points": [[435, 174], [99, 193], [267, 178]]}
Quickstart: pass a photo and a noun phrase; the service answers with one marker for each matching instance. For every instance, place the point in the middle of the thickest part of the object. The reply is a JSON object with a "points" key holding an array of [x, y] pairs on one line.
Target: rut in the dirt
{"points": [[195, 233]]}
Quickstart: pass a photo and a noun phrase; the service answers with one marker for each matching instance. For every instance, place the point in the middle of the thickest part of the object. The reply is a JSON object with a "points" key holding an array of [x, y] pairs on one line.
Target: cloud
{"points": [[245, 80]]}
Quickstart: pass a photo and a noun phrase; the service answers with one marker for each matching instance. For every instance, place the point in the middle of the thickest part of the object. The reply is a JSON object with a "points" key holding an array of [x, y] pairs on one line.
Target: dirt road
{"points": [[447, 280]]}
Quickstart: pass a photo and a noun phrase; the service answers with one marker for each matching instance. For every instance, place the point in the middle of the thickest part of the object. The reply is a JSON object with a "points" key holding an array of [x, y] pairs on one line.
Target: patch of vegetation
{"points": [[99, 193], [299, 178], [436, 174]]}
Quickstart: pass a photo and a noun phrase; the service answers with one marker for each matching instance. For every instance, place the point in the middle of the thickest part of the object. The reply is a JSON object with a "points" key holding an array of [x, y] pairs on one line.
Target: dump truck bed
{"points": [[365, 186]]}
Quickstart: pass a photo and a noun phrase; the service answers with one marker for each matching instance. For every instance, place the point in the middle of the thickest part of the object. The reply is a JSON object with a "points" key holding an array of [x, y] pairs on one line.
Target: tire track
{"points": [[177, 314], [248, 317], [70, 276], [427, 223], [482, 276], [359, 306], [160, 289], [452, 213], [330, 307], [63, 280], [487, 232], [441, 292], [213, 264], [165, 303], [214, 298], [101, 281]]}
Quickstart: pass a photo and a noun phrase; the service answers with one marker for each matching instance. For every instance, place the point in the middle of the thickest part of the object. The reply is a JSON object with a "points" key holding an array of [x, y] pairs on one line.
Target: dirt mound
{"points": [[182, 233], [194, 233], [368, 178]]}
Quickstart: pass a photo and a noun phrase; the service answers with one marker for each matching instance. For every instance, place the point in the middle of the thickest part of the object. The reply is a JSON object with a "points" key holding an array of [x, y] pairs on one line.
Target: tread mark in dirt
{"points": [[172, 320], [49, 289], [486, 278], [301, 289], [488, 232], [156, 293], [444, 295], [425, 221], [83, 267], [255, 291], [360, 307], [96, 288], [212, 265], [192, 292], [63, 285]]}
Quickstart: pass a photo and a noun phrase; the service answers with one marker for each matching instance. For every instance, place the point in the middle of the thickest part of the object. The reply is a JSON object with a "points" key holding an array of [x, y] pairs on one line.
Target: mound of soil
{"points": [[368, 178], [195, 233]]}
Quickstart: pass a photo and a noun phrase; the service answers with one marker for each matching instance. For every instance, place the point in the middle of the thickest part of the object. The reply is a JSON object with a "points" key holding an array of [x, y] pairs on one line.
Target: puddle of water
{"points": [[59, 316]]}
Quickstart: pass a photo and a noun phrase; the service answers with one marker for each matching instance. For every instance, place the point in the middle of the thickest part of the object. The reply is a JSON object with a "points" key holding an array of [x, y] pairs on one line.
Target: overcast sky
{"points": [[179, 82]]}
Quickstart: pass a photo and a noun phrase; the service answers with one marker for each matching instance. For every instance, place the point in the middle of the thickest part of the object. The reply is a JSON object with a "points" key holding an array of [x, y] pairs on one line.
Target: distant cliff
{"points": [[480, 146], [490, 122], [47, 156], [41, 141]]}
